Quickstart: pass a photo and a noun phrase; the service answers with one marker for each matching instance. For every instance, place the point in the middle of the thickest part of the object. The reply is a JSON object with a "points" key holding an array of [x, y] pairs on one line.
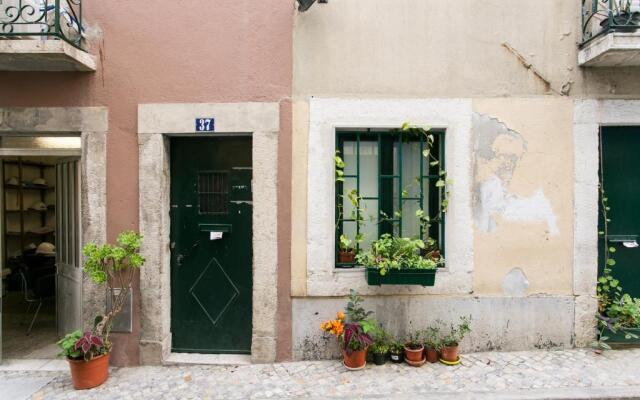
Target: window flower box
{"points": [[619, 337], [423, 277]]}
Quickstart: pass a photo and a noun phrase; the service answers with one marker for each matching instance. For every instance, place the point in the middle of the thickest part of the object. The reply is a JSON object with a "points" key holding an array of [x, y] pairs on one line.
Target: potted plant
{"points": [[88, 357], [380, 347], [450, 342], [88, 352], [396, 352], [379, 350], [346, 253], [622, 15], [354, 346], [413, 348], [432, 343], [399, 261], [352, 331]]}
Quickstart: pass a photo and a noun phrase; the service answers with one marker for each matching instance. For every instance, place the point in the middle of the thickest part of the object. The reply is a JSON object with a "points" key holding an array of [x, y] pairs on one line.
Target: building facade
{"points": [[212, 129]]}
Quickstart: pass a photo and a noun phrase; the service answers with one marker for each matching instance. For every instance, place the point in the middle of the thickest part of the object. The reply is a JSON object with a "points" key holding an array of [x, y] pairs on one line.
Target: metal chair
{"points": [[38, 285]]}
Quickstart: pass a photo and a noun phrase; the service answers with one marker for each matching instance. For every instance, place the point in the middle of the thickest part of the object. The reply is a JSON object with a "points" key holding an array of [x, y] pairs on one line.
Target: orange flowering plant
{"points": [[334, 326]]}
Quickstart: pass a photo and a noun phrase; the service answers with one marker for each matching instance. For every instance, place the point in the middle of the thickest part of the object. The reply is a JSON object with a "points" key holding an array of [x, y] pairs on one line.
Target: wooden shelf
{"points": [[28, 187]]}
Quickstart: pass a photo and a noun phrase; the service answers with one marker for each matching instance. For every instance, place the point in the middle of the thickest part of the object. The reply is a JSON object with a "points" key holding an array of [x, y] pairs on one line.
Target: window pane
{"points": [[349, 154], [411, 159], [410, 223], [349, 230], [348, 210], [369, 226], [368, 169]]}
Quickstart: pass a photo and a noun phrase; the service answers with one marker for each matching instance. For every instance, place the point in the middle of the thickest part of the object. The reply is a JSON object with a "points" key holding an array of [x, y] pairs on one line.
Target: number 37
{"points": [[204, 124]]}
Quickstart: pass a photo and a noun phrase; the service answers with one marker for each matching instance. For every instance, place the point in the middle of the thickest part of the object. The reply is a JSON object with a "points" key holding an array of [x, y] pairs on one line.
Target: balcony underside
{"points": [[614, 49], [43, 55]]}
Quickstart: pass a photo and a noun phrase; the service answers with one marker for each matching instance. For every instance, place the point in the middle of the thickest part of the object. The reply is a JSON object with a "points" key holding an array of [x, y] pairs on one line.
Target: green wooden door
{"points": [[211, 277], [621, 167]]}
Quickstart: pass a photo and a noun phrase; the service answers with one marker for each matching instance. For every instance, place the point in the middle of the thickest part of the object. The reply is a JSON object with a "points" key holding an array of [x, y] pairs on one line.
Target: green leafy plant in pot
{"points": [[413, 347], [450, 342], [113, 266], [381, 345], [396, 352], [432, 343]]}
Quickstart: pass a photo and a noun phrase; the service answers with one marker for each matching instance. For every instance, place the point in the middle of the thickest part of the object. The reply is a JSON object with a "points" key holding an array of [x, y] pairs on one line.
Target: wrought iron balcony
{"points": [[42, 19], [610, 33], [43, 35]]}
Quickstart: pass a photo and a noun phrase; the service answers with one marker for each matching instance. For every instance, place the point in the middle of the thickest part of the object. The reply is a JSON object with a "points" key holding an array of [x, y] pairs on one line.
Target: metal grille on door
{"points": [[213, 192]]}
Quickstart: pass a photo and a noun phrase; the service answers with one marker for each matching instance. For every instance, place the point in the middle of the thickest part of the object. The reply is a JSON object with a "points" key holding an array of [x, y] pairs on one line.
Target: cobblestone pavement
{"points": [[539, 374]]}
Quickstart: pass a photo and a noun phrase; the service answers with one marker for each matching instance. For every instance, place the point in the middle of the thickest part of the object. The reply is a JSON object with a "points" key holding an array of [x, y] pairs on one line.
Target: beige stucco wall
{"points": [[527, 176], [446, 49]]}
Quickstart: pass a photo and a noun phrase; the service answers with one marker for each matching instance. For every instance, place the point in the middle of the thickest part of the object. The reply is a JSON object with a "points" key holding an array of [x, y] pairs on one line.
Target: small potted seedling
{"points": [[413, 348], [346, 254], [450, 342], [432, 343], [379, 351], [396, 352]]}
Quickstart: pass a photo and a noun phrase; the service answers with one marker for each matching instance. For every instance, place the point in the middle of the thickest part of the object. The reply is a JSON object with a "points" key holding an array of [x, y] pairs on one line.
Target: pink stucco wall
{"points": [[170, 51]]}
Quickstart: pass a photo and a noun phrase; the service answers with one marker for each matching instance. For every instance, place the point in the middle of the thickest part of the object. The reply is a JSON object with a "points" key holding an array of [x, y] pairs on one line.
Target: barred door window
{"points": [[213, 192]]}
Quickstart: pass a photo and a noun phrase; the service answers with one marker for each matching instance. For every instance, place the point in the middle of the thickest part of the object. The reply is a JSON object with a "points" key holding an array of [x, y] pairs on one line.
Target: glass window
{"points": [[386, 181]]}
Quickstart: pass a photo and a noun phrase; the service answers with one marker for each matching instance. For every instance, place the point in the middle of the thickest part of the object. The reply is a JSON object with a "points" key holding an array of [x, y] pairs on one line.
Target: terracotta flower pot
{"points": [[432, 355], [449, 353], [355, 360], [89, 374], [346, 256], [414, 354]]}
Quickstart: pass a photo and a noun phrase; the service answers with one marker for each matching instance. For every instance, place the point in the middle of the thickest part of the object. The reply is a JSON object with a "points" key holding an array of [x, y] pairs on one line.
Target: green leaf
{"points": [[602, 279], [405, 126], [434, 163], [426, 152], [612, 249], [611, 262], [440, 183]]}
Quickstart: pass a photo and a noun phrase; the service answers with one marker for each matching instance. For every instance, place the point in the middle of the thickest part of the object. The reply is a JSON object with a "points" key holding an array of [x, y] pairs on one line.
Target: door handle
{"points": [[179, 259]]}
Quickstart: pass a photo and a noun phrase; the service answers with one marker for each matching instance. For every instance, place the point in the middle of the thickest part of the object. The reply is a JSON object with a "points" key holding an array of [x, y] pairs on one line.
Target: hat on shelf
{"points": [[38, 205], [46, 248], [42, 230], [39, 182], [30, 246], [12, 181]]}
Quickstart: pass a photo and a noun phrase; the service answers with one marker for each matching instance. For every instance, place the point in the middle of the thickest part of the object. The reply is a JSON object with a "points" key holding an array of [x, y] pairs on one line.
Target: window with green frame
{"points": [[385, 170]]}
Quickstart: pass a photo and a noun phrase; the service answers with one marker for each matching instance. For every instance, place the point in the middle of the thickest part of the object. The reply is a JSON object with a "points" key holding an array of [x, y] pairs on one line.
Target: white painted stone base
{"points": [[498, 323], [207, 359]]}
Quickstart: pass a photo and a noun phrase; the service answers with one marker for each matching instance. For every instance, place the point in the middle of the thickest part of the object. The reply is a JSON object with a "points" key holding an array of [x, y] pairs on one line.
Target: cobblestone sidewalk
{"points": [[565, 374]]}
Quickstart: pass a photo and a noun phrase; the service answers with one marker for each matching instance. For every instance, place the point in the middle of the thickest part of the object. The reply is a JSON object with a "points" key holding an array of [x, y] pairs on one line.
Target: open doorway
{"points": [[40, 236]]}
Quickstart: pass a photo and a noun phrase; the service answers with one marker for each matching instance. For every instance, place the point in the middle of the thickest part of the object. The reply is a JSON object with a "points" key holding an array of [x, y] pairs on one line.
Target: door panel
{"points": [[69, 271], [621, 167], [211, 276]]}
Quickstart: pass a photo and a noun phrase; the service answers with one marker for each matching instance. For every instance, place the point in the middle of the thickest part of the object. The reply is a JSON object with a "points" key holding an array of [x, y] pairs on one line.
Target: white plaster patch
{"points": [[515, 283], [494, 200]]}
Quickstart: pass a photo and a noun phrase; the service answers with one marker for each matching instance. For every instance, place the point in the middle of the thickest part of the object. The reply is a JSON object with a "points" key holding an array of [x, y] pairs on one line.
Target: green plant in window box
{"points": [[397, 253]]}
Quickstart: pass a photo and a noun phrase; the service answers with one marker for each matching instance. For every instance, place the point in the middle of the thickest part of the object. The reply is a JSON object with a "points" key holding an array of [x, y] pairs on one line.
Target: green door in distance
{"points": [[621, 167], [211, 252]]}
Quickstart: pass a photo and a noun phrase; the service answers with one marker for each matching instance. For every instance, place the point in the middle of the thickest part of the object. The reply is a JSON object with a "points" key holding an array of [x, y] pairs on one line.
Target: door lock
{"points": [[179, 259]]}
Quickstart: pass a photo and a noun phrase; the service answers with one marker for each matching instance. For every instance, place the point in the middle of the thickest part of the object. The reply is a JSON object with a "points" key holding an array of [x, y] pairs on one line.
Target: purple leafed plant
{"points": [[90, 346], [354, 338]]}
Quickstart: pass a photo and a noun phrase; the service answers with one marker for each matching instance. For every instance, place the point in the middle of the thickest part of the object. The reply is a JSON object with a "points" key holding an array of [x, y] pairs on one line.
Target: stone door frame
{"points": [[589, 116], [156, 124], [91, 125]]}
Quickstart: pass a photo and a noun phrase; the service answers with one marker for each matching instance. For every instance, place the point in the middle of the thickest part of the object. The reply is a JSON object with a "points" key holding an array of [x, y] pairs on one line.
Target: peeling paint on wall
{"points": [[498, 150]]}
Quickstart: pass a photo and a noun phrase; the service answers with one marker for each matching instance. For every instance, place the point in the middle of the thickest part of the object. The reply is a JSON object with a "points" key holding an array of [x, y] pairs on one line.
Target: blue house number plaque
{"points": [[205, 124]]}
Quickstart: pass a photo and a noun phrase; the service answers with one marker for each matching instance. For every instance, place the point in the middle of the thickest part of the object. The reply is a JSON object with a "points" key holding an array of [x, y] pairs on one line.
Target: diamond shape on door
{"points": [[214, 302]]}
